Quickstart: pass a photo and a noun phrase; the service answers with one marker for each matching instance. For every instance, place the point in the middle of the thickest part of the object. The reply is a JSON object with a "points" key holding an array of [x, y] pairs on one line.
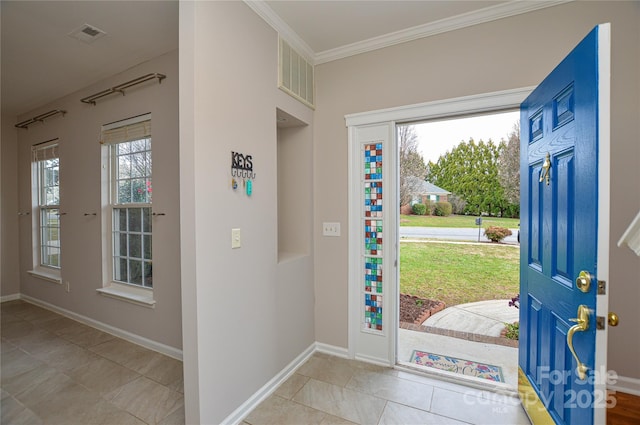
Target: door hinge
{"points": [[602, 287], [600, 323]]}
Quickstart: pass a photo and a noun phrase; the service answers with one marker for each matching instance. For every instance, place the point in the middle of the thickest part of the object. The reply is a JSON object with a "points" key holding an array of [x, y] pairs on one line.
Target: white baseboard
{"points": [[374, 360], [267, 389], [626, 385], [332, 350], [11, 297], [344, 353], [120, 333]]}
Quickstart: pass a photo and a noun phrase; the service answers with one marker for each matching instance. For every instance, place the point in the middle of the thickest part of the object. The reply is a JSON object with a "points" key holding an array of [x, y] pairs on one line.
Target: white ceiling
{"points": [[40, 62], [326, 25], [327, 30]]}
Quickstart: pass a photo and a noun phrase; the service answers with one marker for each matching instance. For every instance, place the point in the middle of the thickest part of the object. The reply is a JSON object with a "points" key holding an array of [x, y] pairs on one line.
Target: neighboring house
{"points": [[424, 191], [430, 192]]}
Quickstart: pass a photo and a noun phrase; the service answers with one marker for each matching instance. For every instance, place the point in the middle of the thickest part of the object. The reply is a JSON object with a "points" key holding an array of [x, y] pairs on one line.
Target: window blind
{"points": [[126, 133], [44, 152]]}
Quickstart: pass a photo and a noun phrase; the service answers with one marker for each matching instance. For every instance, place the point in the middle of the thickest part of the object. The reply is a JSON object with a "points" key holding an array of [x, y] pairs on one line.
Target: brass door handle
{"points": [[613, 319], [582, 324], [546, 167]]}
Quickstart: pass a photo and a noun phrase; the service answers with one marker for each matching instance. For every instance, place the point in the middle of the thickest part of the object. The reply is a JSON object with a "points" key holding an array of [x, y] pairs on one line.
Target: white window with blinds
{"points": [[47, 249], [130, 264]]}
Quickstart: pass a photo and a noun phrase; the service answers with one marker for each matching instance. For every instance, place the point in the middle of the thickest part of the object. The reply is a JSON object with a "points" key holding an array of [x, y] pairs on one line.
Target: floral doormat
{"points": [[452, 364]]}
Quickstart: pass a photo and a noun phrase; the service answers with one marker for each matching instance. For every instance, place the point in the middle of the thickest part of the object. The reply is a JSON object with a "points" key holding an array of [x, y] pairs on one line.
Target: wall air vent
{"points": [[295, 74], [87, 33]]}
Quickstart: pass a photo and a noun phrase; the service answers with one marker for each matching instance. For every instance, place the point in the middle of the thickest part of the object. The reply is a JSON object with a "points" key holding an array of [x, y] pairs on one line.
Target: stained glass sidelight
{"points": [[373, 237]]}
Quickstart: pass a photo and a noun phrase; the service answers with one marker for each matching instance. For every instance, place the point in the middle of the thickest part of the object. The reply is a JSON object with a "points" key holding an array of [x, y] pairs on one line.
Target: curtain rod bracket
{"points": [[121, 87], [40, 118]]}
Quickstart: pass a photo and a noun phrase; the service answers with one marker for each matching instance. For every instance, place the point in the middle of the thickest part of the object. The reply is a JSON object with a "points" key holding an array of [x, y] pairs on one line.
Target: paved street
{"points": [[454, 234]]}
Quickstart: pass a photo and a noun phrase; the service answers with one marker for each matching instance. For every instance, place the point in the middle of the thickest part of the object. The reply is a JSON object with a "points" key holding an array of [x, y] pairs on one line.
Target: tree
{"points": [[509, 166], [470, 171], [411, 164]]}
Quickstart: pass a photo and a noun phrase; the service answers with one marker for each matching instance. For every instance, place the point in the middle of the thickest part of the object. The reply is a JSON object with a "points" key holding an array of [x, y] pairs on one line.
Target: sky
{"points": [[437, 137]]}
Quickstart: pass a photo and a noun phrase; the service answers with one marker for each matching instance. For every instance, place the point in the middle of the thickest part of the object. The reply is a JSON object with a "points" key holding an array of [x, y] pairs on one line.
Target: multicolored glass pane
{"points": [[373, 199], [373, 312], [373, 161], [372, 237], [373, 275]]}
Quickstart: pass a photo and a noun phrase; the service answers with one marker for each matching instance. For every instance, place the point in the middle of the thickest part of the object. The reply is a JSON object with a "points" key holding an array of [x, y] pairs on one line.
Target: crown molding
{"points": [[488, 14], [284, 30]]}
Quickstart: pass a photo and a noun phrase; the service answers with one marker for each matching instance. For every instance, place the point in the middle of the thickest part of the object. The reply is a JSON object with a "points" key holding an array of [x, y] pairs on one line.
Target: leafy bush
{"points": [[496, 233], [513, 330], [458, 204], [512, 211], [443, 209], [419, 209], [431, 207]]}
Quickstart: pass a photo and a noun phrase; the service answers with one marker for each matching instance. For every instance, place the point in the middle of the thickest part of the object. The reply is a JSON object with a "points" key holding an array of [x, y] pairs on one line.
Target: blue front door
{"points": [[559, 240]]}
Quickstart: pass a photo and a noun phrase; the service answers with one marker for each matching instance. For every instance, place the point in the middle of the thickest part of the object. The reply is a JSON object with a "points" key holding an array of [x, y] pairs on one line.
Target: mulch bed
{"points": [[416, 310]]}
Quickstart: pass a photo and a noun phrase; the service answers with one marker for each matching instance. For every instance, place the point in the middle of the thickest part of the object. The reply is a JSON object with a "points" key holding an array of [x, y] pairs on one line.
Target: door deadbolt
{"points": [[583, 282]]}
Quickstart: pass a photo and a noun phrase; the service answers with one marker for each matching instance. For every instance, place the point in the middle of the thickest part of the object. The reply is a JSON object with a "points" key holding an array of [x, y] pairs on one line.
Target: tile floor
{"points": [[330, 390], [58, 371]]}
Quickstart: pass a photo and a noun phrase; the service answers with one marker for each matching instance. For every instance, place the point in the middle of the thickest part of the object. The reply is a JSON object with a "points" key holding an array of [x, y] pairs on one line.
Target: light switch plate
{"points": [[330, 229], [236, 241]]}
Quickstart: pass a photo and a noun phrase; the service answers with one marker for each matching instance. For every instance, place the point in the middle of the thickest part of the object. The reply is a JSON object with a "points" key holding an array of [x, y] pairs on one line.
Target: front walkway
{"points": [[467, 331], [481, 318]]}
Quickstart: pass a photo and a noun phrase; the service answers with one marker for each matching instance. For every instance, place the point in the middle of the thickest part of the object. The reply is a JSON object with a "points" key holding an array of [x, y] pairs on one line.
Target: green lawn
{"points": [[456, 221], [459, 273]]}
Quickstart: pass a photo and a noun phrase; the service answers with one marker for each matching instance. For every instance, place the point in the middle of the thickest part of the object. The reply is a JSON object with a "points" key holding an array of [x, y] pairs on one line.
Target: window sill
{"points": [[119, 294], [46, 275]]}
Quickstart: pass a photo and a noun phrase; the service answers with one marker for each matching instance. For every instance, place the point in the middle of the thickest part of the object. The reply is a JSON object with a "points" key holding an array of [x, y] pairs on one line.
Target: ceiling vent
{"points": [[87, 33], [295, 74]]}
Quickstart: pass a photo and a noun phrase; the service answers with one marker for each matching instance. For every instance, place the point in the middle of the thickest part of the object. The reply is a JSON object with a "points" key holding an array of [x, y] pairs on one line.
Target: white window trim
{"points": [[366, 348], [126, 292], [46, 273], [130, 293], [50, 275]]}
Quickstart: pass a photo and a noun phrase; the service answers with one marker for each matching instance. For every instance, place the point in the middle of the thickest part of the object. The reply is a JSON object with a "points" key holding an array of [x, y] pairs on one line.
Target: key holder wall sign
{"points": [[242, 170]]}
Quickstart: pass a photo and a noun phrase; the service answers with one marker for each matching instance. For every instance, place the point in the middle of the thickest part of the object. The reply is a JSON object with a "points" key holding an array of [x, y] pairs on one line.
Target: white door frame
{"points": [[380, 125], [604, 212]]}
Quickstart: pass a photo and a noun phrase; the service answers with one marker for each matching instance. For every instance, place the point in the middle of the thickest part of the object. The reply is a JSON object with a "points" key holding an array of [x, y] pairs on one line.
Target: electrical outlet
{"points": [[330, 229], [236, 240]]}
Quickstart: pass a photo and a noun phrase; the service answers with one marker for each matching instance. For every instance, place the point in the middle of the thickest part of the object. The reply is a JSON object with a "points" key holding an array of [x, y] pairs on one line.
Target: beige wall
{"points": [[295, 204], [505, 54], [80, 180], [10, 279], [246, 316]]}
